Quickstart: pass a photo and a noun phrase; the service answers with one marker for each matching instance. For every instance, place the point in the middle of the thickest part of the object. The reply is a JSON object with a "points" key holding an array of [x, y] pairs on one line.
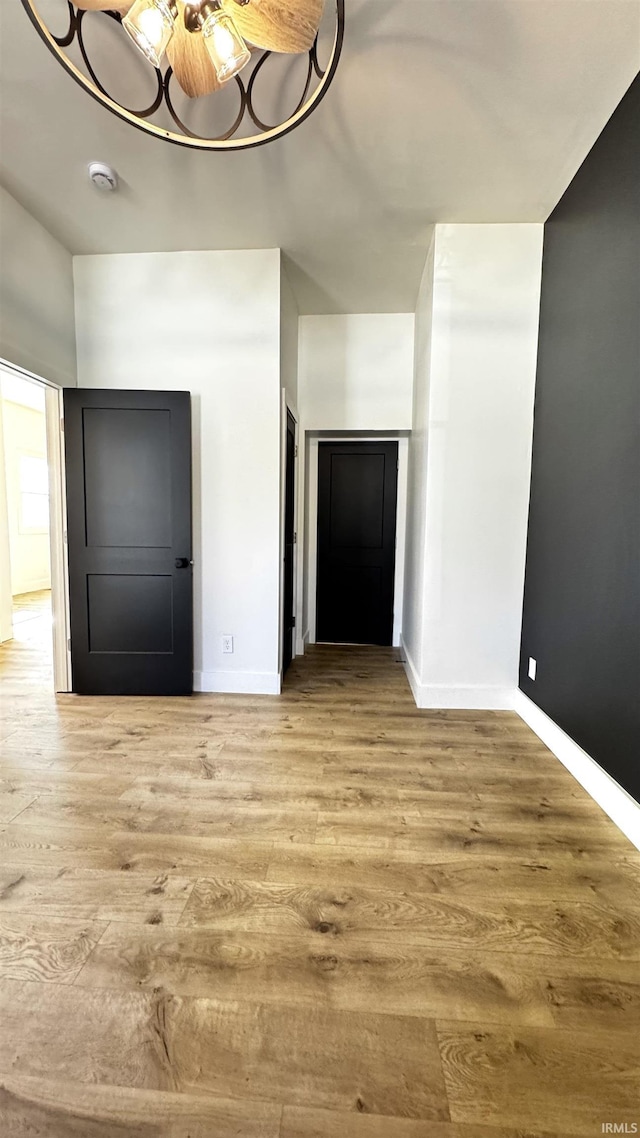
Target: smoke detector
{"points": [[103, 177]]}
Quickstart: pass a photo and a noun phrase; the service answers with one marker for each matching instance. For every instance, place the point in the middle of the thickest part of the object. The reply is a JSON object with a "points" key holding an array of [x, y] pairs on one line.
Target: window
{"points": [[34, 494]]}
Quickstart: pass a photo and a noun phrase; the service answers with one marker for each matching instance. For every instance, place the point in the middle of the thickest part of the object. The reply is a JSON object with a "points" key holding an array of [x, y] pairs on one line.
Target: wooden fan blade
{"points": [[289, 26], [186, 52], [190, 60]]}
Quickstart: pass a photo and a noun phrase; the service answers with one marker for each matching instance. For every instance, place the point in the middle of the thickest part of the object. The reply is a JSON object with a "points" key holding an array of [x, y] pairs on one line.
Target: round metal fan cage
{"points": [[315, 86]]}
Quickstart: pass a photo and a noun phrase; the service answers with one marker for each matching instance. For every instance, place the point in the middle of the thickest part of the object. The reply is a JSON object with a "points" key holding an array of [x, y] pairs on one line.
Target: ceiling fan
{"points": [[210, 41], [202, 46]]}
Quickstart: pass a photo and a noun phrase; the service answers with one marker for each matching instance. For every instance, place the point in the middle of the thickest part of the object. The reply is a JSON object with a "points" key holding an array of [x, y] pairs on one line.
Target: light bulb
{"points": [[150, 25], [227, 49]]}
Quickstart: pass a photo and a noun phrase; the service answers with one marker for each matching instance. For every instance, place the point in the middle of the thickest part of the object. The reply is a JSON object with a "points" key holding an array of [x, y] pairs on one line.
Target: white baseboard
{"points": [[469, 697], [301, 643], [410, 669], [242, 683], [40, 585], [472, 697], [616, 803]]}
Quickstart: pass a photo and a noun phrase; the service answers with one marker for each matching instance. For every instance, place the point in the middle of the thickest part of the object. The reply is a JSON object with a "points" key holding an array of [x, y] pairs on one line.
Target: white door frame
{"points": [[313, 438], [287, 404], [6, 608], [57, 523]]}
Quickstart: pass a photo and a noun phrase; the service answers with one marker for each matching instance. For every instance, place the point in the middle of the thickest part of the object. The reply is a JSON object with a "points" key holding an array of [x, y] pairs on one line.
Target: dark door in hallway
{"points": [[357, 494], [128, 473], [288, 618]]}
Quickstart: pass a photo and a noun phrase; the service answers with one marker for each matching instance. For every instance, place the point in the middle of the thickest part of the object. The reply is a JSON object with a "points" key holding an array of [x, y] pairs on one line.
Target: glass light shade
{"points": [[229, 53], [150, 25]]}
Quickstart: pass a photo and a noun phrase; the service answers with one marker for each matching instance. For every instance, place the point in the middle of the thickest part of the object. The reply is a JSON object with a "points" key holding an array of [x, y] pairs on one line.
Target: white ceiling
{"points": [[441, 110]]}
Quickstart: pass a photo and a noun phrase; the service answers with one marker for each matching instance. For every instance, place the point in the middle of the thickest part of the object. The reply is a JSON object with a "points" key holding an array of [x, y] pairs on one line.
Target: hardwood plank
{"points": [[298, 794], [427, 779], [351, 973], [207, 765], [89, 848], [163, 816], [325, 790], [12, 804], [459, 872], [40, 948], [536, 1077], [288, 758], [103, 895], [541, 811], [131, 742], [298, 1122], [33, 726], [52, 780], [56, 1108], [384, 829], [157, 1041], [27, 753], [418, 918], [595, 996]]}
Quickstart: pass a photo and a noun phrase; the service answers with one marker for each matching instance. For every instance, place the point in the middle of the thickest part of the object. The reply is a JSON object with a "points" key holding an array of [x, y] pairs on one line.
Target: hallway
{"points": [[32, 620], [28, 658], [323, 915]]}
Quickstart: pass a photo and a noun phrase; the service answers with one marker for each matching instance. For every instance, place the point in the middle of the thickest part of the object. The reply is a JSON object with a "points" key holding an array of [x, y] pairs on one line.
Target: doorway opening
{"points": [[394, 512], [288, 586], [33, 621], [27, 561], [357, 503]]}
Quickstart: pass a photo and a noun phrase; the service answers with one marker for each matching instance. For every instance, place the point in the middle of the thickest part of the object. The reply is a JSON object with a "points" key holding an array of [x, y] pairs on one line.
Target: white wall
{"points": [[355, 375], [479, 427], [413, 612], [36, 297], [289, 384], [208, 323], [288, 340], [356, 372]]}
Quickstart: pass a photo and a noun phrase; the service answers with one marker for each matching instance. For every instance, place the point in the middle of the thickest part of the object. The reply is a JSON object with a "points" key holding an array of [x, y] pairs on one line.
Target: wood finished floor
{"points": [[325, 915]]}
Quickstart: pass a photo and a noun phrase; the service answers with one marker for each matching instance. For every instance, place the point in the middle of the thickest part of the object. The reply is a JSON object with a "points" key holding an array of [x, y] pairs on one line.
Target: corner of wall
{"points": [[470, 697], [412, 631], [37, 326], [475, 359], [619, 806]]}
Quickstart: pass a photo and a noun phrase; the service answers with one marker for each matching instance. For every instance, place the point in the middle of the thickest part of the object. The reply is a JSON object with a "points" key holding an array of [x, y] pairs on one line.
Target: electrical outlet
{"points": [[227, 643], [532, 668]]}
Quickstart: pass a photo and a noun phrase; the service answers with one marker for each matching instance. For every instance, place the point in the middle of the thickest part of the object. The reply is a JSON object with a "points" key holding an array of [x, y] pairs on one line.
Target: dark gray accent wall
{"points": [[581, 618]]}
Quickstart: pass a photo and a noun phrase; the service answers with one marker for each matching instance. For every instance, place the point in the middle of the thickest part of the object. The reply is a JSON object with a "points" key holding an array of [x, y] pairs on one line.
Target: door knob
{"points": [[183, 562]]}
